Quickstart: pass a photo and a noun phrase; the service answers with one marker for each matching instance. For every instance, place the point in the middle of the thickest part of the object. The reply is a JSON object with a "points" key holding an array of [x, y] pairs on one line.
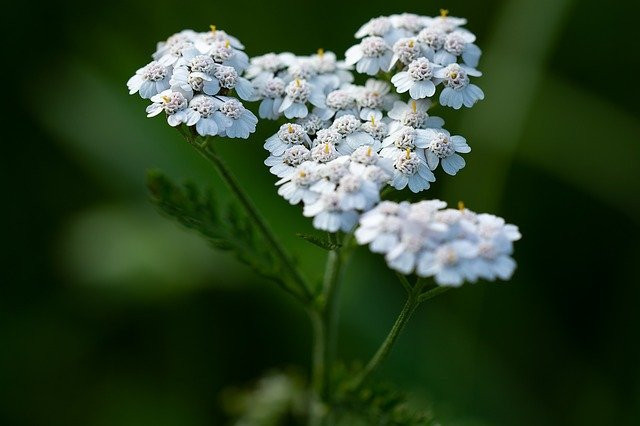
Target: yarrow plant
{"points": [[344, 143]]}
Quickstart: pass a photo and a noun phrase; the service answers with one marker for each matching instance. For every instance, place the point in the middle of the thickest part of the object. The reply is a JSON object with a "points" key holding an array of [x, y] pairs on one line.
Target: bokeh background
{"points": [[112, 315]]}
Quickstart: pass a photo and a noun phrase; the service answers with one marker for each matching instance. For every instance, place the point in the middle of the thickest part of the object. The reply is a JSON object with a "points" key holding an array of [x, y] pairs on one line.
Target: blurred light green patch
{"points": [[110, 136], [134, 249]]}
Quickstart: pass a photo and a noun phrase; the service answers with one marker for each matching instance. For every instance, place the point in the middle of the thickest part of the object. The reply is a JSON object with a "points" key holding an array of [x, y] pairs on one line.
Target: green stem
{"points": [[301, 291], [324, 320], [413, 300], [318, 367], [405, 282], [437, 291]]}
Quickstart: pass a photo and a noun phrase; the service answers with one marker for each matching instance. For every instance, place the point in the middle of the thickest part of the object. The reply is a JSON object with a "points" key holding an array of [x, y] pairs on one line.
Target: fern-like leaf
{"points": [[225, 228]]}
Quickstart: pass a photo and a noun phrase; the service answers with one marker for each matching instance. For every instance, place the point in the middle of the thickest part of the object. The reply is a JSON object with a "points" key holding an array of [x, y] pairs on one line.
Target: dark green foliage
{"points": [[323, 243], [225, 227], [377, 403]]}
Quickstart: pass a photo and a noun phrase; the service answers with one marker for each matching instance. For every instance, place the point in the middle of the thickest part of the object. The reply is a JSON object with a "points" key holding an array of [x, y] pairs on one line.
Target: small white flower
{"points": [[271, 89], [204, 41], [458, 43], [373, 97], [362, 157], [411, 169], [349, 127], [329, 136], [328, 214], [229, 79], [450, 264], [447, 23], [432, 40], [458, 91], [174, 52], [286, 164], [312, 124], [378, 130], [223, 53], [379, 174], [163, 48], [380, 27], [176, 105], [268, 64], [288, 135], [410, 22], [381, 226], [416, 79], [417, 236], [404, 138], [444, 148], [330, 174], [495, 246], [233, 119], [357, 193], [150, 80], [338, 102], [413, 114], [194, 81], [298, 92], [370, 56], [405, 50], [324, 62], [324, 152], [295, 186], [205, 107]]}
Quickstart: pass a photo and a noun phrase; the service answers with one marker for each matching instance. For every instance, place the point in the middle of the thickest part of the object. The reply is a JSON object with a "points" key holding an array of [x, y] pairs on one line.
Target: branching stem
{"points": [[300, 290], [414, 298]]}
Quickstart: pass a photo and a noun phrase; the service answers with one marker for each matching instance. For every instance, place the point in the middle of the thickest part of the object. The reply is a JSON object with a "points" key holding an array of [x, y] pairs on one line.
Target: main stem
{"points": [[324, 319], [301, 291]]}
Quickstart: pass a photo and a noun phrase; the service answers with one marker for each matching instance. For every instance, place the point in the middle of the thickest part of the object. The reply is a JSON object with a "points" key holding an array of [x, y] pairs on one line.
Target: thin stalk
{"points": [[437, 291], [301, 291], [318, 368], [405, 282], [414, 299], [324, 319]]}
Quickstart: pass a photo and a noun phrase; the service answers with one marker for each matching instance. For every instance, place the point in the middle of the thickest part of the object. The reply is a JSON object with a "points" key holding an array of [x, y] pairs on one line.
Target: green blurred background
{"points": [[112, 315]]}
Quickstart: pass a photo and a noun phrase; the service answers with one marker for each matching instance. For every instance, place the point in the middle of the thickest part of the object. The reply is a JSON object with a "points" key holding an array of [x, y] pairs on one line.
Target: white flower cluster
{"points": [[451, 245], [423, 52], [191, 78], [334, 170], [288, 84], [344, 142]]}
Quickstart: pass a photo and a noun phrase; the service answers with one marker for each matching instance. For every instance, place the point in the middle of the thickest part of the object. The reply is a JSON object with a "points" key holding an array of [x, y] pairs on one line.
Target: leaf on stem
{"points": [[225, 228], [323, 243]]}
